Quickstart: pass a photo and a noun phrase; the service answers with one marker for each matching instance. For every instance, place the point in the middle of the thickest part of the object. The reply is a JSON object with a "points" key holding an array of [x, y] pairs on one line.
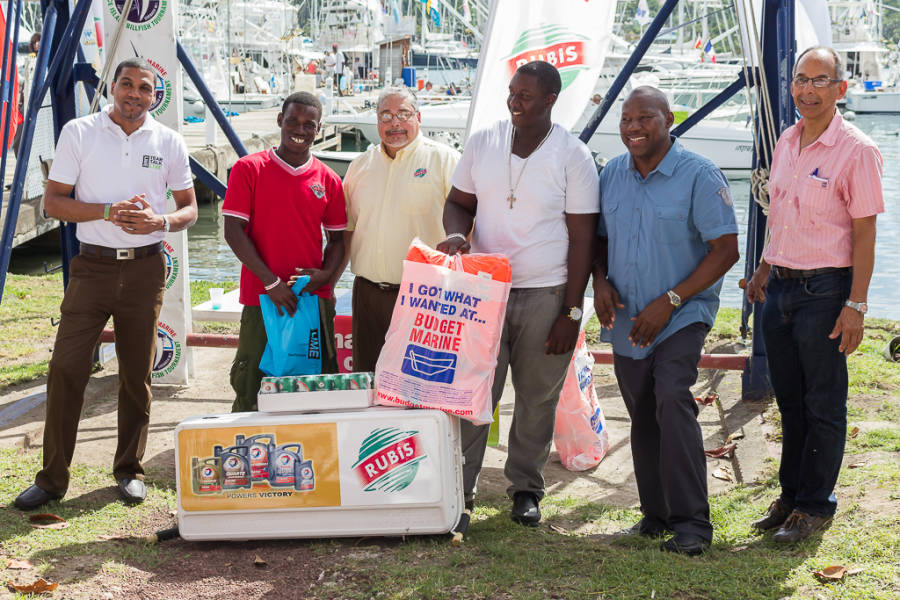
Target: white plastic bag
{"points": [[441, 348], [580, 433]]}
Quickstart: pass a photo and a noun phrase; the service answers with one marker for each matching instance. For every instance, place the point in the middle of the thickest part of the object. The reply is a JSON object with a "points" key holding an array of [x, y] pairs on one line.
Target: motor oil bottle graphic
{"points": [[235, 467], [206, 475], [260, 451], [290, 470]]}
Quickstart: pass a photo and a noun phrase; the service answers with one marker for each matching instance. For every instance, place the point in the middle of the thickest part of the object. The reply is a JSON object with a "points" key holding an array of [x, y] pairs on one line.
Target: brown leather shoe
{"points": [[775, 516], [799, 526]]}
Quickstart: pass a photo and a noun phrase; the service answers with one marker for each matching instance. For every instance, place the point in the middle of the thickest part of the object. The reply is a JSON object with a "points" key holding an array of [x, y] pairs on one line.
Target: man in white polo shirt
{"points": [[395, 192], [528, 189], [119, 163]]}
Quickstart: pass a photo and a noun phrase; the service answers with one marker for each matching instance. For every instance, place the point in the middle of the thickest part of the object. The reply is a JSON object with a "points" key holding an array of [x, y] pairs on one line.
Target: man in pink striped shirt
{"points": [[824, 195]]}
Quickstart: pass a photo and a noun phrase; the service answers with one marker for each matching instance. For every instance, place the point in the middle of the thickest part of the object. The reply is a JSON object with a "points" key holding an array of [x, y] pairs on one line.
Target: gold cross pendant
{"points": [[511, 199]]}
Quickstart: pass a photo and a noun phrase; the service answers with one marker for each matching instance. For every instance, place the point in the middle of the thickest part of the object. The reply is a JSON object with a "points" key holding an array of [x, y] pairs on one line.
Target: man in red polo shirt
{"points": [[277, 204]]}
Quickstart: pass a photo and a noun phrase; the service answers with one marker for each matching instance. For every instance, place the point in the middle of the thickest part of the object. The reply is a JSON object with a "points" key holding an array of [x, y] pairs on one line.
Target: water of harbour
{"points": [[211, 258]]}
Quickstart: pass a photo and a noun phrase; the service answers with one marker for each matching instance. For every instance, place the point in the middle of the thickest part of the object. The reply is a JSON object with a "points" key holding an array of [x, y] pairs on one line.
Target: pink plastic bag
{"points": [[441, 348], [580, 433]]}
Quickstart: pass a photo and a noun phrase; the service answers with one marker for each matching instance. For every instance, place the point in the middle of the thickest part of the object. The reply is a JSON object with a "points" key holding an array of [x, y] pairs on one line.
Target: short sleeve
{"points": [[350, 179], [582, 183], [449, 162], [66, 165], [335, 218], [239, 194], [179, 176], [462, 175], [865, 196], [712, 210]]}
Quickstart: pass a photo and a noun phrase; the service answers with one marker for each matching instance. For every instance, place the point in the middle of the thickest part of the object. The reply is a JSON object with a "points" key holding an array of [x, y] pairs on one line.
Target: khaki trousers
{"points": [[131, 292]]}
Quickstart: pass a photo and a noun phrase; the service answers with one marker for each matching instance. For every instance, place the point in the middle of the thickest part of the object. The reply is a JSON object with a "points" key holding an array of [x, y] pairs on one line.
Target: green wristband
{"points": [[106, 212]]}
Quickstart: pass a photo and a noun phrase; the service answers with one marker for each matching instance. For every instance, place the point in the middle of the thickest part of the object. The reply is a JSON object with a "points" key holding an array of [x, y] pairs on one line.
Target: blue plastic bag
{"points": [[294, 346]]}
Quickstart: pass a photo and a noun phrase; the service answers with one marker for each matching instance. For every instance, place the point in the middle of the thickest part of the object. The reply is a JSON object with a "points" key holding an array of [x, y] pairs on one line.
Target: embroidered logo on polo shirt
{"points": [[318, 189], [152, 162], [725, 195], [420, 173]]}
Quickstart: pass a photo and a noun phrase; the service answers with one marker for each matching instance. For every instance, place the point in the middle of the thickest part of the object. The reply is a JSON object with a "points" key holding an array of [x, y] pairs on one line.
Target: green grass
{"points": [[200, 293]]}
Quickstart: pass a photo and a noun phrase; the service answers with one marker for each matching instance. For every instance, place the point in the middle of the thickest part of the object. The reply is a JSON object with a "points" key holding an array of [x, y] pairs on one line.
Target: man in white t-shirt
{"points": [[531, 190], [119, 162]]}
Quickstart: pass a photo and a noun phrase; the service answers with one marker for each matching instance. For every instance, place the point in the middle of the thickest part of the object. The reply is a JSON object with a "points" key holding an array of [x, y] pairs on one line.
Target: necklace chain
{"points": [[512, 138]]}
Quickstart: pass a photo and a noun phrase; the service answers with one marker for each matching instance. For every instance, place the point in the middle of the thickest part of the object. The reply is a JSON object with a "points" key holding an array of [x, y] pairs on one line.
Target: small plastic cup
{"points": [[892, 350], [215, 296]]}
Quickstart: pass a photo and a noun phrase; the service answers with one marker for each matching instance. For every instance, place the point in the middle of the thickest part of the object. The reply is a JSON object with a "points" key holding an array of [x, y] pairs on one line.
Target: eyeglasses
{"points": [[403, 116], [819, 82]]}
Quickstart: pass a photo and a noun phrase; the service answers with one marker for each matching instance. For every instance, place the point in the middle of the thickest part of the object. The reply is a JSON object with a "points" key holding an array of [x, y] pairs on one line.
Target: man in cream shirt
{"points": [[395, 192]]}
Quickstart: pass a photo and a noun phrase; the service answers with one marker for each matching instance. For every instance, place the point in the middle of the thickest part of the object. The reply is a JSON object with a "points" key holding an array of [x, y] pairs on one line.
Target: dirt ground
{"points": [[228, 569]]}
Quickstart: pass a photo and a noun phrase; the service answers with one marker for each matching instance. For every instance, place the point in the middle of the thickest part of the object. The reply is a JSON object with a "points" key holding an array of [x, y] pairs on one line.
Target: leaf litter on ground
{"points": [[40, 586], [722, 451], [39, 521]]}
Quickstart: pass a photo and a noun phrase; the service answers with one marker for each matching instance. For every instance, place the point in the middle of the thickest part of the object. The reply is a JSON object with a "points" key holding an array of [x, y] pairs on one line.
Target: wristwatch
{"points": [[674, 298], [575, 313], [862, 307], [165, 223]]}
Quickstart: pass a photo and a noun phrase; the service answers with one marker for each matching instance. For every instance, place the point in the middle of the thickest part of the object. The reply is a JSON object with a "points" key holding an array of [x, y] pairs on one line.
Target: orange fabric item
{"points": [[495, 264]]}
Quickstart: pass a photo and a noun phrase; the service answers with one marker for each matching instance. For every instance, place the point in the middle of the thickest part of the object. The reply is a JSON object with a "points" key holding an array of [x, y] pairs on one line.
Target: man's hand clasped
{"points": [[650, 321], [135, 216]]}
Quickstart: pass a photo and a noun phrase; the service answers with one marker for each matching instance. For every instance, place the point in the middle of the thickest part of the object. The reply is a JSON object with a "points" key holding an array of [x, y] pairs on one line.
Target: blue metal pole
{"points": [[778, 49], [211, 103], [633, 61], [714, 103], [208, 179], [18, 182]]}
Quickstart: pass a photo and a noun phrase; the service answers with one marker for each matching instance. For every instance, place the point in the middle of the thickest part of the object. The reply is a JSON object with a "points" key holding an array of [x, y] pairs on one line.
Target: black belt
{"points": [[385, 287], [785, 273], [121, 253]]}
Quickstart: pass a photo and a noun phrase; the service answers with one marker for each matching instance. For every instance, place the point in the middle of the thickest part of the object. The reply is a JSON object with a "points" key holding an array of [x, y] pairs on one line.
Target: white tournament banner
{"points": [[150, 33], [572, 35]]}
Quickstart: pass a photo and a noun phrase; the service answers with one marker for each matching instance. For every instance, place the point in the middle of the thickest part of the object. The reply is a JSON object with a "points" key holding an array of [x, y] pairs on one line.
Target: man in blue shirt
{"points": [[666, 237]]}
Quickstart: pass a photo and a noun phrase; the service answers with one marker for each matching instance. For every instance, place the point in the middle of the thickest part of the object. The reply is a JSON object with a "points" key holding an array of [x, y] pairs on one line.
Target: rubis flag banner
{"points": [[572, 35]]}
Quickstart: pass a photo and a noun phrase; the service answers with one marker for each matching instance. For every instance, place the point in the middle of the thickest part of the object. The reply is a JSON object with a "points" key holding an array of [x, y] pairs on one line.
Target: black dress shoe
{"points": [[685, 543], [646, 527], [133, 491], [525, 510], [33, 497]]}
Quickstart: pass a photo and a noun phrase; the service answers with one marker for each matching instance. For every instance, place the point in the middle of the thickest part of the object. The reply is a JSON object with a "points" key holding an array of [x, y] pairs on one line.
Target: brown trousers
{"points": [[131, 292], [372, 311]]}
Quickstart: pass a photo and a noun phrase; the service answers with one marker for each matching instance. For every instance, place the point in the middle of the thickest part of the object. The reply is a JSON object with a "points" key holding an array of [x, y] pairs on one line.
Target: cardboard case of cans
{"points": [[293, 393], [375, 471]]}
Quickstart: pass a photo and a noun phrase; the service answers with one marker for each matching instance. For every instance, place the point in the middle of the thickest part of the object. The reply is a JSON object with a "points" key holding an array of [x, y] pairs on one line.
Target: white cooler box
{"points": [[378, 471]]}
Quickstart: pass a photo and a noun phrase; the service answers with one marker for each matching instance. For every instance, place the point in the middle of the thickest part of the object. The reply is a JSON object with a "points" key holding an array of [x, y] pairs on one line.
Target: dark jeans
{"points": [[666, 440], [809, 376]]}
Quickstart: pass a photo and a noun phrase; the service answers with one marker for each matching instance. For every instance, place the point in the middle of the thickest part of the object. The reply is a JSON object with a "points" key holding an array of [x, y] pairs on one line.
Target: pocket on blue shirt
{"points": [[671, 224]]}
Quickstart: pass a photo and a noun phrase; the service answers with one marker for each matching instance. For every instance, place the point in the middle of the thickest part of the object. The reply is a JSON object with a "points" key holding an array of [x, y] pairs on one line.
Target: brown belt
{"points": [[786, 273], [385, 287], [121, 253]]}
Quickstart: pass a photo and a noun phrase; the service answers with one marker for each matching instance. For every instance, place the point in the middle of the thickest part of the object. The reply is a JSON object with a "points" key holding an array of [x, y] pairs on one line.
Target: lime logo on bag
{"points": [[389, 459]]}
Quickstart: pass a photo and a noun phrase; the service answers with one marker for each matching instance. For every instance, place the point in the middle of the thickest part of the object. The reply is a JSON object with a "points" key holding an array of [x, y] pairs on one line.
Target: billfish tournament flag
{"points": [[149, 33], [572, 35]]}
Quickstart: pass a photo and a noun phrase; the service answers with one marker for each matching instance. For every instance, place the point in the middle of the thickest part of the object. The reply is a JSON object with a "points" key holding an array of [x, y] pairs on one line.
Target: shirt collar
{"points": [[829, 137], [667, 165], [410, 147], [148, 124]]}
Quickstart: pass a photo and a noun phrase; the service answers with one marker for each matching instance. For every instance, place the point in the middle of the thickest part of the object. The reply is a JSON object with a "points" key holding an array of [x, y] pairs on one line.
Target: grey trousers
{"points": [[537, 378], [666, 440]]}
